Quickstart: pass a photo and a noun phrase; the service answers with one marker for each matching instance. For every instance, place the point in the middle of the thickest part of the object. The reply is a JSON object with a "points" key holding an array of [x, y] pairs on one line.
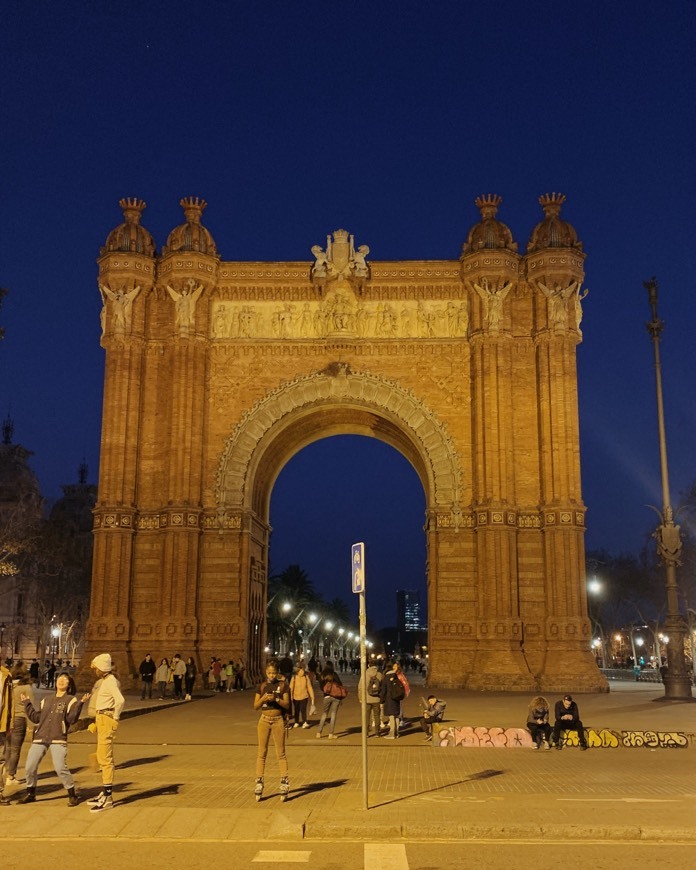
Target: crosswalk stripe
{"points": [[385, 856], [281, 857]]}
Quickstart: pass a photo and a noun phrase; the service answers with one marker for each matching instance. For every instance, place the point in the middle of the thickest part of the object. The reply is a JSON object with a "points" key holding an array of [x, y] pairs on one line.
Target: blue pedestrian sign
{"points": [[358, 567]]}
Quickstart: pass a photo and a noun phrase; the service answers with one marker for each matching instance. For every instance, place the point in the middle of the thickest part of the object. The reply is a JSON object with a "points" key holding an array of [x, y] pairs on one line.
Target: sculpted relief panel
{"points": [[339, 314]]}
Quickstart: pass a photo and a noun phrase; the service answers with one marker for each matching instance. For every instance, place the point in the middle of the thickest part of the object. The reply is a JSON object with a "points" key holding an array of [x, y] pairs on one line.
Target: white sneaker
{"points": [[95, 800], [106, 802], [296, 725], [306, 725]]}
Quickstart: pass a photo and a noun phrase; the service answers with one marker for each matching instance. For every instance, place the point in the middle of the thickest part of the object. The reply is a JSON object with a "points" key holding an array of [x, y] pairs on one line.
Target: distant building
{"points": [[408, 610]]}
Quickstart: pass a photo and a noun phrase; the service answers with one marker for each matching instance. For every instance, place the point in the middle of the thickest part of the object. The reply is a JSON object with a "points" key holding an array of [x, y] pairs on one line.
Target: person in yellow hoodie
{"points": [[5, 723]]}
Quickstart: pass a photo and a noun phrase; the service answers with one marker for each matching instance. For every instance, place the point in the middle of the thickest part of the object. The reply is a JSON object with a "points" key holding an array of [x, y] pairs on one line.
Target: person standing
{"points": [[53, 719], [162, 676], [189, 678], [334, 693], [5, 723], [147, 675], [108, 702], [229, 675], [34, 672], [391, 694], [21, 685], [373, 684], [239, 676], [538, 722], [273, 700], [568, 719], [178, 674], [301, 693]]}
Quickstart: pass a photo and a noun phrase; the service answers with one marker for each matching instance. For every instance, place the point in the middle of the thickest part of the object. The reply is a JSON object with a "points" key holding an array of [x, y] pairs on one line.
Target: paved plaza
{"points": [[186, 772]]}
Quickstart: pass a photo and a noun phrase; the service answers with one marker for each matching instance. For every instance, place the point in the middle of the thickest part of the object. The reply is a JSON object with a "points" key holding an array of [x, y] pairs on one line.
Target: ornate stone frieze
{"points": [[339, 313], [108, 518], [222, 520]]}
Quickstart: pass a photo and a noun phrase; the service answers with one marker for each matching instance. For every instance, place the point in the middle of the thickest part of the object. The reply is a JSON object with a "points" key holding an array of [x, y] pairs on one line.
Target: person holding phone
{"points": [[273, 700]]}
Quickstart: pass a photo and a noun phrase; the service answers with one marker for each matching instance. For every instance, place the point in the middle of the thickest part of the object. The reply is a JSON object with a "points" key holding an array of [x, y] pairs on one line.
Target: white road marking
{"points": [[278, 857], [625, 800], [385, 856]]}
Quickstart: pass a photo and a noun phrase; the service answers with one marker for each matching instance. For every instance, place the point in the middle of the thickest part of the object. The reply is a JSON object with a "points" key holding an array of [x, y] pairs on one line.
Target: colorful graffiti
{"points": [[519, 738]]}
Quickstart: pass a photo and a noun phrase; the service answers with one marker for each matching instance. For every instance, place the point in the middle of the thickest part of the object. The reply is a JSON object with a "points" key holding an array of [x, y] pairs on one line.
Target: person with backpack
{"points": [[373, 684], [391, 695]]}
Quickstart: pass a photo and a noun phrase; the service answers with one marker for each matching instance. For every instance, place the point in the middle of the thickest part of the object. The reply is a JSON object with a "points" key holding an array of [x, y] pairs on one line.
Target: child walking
{"points": [[53, 719]]}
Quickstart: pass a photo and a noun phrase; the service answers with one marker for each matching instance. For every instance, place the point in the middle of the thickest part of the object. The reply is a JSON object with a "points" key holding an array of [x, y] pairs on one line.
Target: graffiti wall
{"points": [[513, 738]]}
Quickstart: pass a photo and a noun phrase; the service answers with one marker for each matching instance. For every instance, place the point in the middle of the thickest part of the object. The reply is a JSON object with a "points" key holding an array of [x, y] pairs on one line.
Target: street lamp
{"points": [[676, 678], [55, 632]]}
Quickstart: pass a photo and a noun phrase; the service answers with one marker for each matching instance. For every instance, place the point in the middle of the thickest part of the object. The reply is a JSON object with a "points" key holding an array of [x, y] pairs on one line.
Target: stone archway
{"points": [[217, 372], [334, 401]]}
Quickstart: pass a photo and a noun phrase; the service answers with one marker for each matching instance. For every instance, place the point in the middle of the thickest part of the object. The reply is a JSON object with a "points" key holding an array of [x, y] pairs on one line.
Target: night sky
{"points": [[387, 119]]}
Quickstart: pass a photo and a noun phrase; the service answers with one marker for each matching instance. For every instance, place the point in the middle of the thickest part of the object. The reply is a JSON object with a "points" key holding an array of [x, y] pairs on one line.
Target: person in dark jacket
{"points": [[391, 694], [147, 675], [433, 712], [568, 719], [53, 719], [189, 678], [538, 722]]}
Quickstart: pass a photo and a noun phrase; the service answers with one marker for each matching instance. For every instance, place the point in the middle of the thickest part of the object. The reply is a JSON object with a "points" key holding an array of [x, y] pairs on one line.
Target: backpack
{"points": [[374, 686], [396, 688]]}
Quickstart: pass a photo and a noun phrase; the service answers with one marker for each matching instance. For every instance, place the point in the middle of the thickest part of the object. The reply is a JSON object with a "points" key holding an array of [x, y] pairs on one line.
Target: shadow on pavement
{"points": [[150, 793], [312, 787], [136, 762], [483, 774]]}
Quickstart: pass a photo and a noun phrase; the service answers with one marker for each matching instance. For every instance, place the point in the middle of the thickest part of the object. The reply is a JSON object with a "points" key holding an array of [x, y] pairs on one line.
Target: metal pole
{"points": [[676, 679], [363, 699]]}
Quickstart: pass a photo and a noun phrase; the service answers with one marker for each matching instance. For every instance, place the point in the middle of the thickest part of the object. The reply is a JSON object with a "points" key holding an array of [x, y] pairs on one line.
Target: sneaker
{"points": [[306, 725], [583, 746], [547, 745], [95, 800], [105, 802], [536, 746], [318, 736], [3, 800], [333, 736], [73, 800], [558, 746], [428, 738], [10, 778], [296, 725]]}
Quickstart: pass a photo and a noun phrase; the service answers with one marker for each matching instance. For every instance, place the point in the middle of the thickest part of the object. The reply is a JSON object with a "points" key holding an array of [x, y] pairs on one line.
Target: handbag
{"points": [[338, 691]]}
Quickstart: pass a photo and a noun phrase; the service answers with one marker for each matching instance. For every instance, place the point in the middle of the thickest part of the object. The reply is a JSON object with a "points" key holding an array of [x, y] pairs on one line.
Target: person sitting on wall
{"points": [[568, 719]]}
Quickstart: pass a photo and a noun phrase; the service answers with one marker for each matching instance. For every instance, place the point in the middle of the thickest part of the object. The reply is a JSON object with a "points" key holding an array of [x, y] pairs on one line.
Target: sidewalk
{"points": [[187, 772]]}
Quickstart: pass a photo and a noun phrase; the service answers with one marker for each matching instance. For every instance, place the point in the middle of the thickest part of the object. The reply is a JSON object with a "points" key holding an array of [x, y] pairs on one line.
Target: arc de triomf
{"points": [[218, 372]]}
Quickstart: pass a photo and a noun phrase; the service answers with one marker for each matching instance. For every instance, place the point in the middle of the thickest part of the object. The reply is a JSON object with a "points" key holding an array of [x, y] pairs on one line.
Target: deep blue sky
{"points": [[387, 119]]}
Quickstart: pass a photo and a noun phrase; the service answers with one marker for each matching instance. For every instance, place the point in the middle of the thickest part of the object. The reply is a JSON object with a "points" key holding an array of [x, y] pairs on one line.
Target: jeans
{"points": [[178, 694], [300, 710], [146, 689], [268, 727], [539, 732], [14, 745], [59, 754], [162, 688], [331, 706], [189, 681], [374, 719], [564, 725]]}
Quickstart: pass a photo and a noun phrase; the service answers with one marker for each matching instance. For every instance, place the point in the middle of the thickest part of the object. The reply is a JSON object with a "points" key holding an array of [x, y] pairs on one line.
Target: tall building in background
{"points": [[408, 610]]}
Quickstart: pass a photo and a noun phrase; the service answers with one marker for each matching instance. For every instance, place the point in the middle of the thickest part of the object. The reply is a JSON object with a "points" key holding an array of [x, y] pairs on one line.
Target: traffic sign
{"points": [[358, 567]]}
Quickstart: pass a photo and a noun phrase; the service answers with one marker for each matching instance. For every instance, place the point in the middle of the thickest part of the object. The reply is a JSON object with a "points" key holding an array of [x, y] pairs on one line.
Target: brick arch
{"points": [[334, 401]]}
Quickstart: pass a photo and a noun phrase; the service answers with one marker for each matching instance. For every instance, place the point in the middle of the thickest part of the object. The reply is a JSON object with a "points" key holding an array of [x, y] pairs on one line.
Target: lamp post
{"points": [[677, 681]]}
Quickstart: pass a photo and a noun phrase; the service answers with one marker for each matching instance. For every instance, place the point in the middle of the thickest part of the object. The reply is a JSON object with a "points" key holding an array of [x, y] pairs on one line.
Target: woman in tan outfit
{"points": [[273, 700], [301, 693]]}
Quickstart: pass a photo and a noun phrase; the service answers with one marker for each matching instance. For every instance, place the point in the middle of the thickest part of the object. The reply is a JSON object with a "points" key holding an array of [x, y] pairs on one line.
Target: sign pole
{"points": [[358, 577]]}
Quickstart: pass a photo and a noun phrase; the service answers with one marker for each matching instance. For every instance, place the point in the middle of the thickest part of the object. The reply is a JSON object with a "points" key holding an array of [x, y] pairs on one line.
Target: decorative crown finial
{"points": [[193, 207], [551, 203], [488, 204], [132, 208]]}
